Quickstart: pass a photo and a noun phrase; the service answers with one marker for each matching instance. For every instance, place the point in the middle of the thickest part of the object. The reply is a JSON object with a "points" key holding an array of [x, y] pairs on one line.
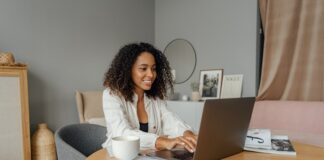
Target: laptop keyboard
{"points": [[182, 154]]}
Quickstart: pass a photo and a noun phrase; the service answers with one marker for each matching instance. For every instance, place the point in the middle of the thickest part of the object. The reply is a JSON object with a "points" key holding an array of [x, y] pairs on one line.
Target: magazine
{"points": [[279, 144], [258, 138]]}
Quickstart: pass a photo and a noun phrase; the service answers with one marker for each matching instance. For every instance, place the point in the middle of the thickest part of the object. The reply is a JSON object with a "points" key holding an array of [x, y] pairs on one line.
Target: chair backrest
{"points": [[78, 141], [300, 120], [89, 104]]}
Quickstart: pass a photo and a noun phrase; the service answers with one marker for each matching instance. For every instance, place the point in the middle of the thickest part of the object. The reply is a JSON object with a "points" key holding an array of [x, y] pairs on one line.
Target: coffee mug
{"points": [[125, 147]]}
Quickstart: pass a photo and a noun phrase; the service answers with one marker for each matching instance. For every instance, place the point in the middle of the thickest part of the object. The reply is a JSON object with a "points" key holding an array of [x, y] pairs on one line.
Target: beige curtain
{"points": [[293, 55]]}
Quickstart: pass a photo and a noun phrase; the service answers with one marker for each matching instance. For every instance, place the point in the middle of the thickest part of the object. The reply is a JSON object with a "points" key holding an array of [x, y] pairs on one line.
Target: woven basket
{"points": [[7, 58], [43, 144]]}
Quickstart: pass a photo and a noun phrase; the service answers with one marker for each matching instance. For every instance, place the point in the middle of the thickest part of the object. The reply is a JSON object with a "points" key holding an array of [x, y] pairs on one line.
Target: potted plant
{"points": [[195, 96]]}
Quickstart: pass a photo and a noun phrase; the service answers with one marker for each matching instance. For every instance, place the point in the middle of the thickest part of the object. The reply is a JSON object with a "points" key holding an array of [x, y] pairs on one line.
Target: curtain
{"points": [[293, 53]]}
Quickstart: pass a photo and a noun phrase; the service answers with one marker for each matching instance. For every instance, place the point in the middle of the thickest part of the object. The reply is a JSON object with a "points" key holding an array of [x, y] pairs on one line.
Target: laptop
{"points": [[222, 132]]}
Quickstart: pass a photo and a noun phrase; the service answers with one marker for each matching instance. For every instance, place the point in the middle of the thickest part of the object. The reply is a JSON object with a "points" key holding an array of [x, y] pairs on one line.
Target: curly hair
{"points": [[118, 77]]}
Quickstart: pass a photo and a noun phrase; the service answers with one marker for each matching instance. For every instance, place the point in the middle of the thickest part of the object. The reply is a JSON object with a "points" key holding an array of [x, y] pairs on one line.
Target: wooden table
{"points": [[304, 152]]}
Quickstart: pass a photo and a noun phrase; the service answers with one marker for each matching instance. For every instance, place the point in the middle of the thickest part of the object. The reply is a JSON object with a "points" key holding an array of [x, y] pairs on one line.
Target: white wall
{"points": [[68, 45], [223, 33]]}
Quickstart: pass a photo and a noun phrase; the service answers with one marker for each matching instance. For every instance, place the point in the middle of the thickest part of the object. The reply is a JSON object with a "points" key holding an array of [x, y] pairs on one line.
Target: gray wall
{"points": [[68, 45], [223, 33]]}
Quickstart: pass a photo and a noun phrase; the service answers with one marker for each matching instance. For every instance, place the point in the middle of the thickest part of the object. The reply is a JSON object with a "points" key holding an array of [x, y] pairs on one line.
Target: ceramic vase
{"points": [[195, 96]]}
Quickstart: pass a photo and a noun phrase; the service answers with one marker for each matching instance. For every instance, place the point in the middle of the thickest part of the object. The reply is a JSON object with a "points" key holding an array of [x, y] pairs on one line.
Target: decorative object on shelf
{"points": [[184, 98], [173, 72], [195, 96], [232, 86], [7, 58], [43, 144], [210, 83]]}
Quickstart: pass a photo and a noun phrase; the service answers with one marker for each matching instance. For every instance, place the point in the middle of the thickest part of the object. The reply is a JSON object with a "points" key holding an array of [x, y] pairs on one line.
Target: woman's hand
{"points": [[169, 143], [190, 136]]}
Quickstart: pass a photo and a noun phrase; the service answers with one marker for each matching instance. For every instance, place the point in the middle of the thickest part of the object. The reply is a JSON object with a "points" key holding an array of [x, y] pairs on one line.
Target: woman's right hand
{"points": [[170, 143]]}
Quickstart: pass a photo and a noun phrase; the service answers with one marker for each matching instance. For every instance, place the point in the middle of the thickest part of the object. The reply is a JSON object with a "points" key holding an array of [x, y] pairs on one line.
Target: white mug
{"points": [[125, 147]]}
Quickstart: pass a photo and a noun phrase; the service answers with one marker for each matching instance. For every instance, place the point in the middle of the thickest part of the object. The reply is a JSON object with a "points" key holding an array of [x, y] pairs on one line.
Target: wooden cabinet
{"points": [[14, 114]]}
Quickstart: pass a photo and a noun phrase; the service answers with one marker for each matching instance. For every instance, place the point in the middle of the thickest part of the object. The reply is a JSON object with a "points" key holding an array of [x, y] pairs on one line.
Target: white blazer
{"points": [[121, 119]]}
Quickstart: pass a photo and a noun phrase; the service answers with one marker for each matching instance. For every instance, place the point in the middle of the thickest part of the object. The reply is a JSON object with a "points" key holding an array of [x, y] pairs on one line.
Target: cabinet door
{"points": [[14, 114]]}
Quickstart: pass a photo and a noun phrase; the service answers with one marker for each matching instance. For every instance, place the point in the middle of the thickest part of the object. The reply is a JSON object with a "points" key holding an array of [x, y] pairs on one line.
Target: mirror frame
{"points": [[195, 56]]}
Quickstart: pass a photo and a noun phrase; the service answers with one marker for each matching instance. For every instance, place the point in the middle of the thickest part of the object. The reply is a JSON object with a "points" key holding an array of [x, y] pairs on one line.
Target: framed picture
{"points": [[210, 83]]}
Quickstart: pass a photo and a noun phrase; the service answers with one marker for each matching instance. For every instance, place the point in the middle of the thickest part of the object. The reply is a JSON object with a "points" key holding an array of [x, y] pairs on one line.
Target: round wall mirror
{"points": [[182, 58]]}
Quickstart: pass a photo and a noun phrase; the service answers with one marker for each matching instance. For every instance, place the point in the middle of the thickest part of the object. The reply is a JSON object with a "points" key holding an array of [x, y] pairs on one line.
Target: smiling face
{"points": [[144, 72]]}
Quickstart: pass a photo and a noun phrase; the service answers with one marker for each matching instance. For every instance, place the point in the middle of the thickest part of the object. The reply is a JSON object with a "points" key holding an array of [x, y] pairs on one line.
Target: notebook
{"points": [[222, 133]]}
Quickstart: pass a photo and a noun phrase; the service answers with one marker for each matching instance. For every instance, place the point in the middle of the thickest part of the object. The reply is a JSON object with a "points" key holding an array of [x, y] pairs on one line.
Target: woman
{"points": [[133, 101]]}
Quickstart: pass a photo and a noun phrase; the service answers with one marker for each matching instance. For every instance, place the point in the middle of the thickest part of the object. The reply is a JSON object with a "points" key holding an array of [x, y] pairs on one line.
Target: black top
{"points": [[144, 127]]}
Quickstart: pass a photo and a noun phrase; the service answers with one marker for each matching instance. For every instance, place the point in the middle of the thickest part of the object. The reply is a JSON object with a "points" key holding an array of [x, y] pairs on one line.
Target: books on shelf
{"points": [[261, 140]]}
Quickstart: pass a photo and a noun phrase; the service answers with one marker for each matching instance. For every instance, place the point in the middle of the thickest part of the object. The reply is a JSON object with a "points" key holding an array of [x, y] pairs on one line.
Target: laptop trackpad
{"points": [[175, 154]]}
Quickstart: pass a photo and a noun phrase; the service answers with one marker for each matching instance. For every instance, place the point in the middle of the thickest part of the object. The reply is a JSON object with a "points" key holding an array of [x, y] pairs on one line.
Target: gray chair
{"points": [[78, 141]]}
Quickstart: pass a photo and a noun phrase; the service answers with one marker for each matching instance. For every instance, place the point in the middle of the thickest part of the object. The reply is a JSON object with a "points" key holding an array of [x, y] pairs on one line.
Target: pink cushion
{"points": [[300, 119]]}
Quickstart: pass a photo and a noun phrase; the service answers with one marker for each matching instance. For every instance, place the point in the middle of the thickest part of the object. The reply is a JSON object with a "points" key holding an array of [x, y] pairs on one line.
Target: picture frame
{"points": [[210, 83]]}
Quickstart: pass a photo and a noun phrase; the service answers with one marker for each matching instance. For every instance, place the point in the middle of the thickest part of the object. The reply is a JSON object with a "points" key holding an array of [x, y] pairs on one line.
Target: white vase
{"points": [[195, 96]]}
